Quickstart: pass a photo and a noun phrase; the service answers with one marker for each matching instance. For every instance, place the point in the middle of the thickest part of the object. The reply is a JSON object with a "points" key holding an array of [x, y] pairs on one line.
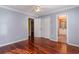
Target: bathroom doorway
{"points": [[62, 28]]}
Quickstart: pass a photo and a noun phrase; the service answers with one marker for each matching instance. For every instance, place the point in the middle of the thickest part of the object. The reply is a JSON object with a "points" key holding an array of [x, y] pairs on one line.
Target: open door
{"points": [[31, 30], [62, 28]]}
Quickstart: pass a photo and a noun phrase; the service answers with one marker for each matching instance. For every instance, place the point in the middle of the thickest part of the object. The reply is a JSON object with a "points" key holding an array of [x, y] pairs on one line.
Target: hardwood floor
{"points": [[39, 46]]}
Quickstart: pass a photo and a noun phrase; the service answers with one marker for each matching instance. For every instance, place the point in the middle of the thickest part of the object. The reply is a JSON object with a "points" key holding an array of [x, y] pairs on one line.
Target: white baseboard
{"points": [[73, 44], [12, 42], [67, 43], [53, 40], [27, 38]]}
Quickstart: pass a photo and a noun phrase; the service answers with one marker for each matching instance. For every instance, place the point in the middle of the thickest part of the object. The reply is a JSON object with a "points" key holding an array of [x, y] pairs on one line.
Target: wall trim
{"points": [[61, 14], [13, 42], [73, 44], [35, 15], [59, 10], [67, 43], [15, 10], [53, 40]]}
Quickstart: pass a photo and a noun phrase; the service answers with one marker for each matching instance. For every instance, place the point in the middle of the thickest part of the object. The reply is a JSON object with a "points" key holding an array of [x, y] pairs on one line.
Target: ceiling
{"points": [[29, 9]]}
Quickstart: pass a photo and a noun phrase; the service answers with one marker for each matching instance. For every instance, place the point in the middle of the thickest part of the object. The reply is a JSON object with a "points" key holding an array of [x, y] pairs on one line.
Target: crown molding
{"points": [[58, 10], [15, 10], [43, 14]]}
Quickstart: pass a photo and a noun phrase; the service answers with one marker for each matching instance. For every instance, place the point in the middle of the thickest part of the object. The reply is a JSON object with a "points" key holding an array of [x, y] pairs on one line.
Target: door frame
{"points": [[30, 20], [57, 24]]}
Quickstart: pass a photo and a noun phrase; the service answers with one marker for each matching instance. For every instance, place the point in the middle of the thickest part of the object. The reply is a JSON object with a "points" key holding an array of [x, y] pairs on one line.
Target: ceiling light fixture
{"points": [[37, 8]]}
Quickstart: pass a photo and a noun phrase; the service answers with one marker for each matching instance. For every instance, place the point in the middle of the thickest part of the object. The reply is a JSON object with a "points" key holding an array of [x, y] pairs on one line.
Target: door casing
{"points": [[31, 30], [57, 24]]}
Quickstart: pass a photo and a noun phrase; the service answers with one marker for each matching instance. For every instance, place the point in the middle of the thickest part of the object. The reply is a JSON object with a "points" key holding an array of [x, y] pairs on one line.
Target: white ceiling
{"points": [[29, 9]]}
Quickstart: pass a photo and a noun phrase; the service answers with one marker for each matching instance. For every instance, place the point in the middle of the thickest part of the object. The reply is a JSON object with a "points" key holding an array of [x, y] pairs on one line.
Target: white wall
{"points": [[53, 28], [73, 26], [42, 27], [37, 27], [46, 27], [13, 26]]}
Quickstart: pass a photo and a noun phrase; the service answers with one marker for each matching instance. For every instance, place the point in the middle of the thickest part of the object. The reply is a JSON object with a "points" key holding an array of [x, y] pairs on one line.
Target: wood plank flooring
{"points": [[39, 46]]}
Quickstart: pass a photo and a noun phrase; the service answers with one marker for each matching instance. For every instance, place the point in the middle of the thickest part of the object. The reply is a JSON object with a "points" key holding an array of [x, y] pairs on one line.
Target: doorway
{"points": [[31, 30], [62, 28]]}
